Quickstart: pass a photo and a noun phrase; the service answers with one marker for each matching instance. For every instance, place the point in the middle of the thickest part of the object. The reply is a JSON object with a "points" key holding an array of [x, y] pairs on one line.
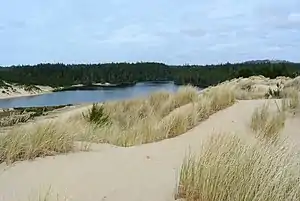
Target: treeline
{"points": [[66, 75]]}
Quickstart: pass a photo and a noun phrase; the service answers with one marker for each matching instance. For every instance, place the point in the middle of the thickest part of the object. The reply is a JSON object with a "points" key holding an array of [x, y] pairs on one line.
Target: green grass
{"points": [[96, 115]]}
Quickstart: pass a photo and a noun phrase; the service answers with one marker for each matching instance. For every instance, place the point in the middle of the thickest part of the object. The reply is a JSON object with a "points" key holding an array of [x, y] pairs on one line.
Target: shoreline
{"points": [[20, 95], [14, 90], [94, 86]]}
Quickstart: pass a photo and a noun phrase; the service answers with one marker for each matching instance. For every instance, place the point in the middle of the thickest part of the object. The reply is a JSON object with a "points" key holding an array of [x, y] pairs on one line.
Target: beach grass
{"points": [[267, 123], [44, 139], [291, 101], [228, 168], [160, 116]]}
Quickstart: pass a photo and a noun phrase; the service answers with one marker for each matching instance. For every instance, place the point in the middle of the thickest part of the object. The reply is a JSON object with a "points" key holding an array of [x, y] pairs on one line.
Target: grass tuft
{"points": [[291, 101], [267, 124], [229, 169], [36, 141]]}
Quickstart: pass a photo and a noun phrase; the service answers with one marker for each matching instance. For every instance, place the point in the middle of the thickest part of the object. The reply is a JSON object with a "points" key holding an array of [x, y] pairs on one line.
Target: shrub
{"points": [[31, 88], [275, 93], [97, 115]]}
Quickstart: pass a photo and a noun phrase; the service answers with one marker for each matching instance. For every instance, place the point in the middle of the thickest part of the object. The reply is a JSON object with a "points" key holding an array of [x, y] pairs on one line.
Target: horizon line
{"points": [[157, 62]]}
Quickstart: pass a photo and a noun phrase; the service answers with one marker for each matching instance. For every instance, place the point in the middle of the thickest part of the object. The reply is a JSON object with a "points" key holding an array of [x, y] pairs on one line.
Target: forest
{"points": [[198, 75]]}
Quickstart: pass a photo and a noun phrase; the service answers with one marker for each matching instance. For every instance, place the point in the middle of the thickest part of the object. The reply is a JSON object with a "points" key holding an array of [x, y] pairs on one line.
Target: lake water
{"points": [[88, 96]]}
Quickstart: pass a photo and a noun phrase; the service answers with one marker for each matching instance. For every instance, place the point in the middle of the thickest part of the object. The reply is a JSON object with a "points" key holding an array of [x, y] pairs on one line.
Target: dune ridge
{"points": [[103, 166], [9, 90]]}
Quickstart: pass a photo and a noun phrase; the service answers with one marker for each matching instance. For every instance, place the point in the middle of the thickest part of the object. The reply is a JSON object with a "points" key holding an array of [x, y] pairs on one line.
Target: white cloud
{"points": [[131, 34], [294, 17]]}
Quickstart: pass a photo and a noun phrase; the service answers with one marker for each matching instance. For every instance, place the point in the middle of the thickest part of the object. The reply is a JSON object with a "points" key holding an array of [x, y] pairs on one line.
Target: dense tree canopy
{"points": [[65, 75]]}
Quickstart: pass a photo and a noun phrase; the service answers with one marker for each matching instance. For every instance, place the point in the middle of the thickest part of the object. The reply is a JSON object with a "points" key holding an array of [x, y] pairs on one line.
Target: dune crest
{"points": [[148, 171]]}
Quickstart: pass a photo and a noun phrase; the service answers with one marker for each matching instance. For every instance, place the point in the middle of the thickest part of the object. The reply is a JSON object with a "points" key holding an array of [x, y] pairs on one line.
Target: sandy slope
{"points": [[141, 173], [14, 91]]}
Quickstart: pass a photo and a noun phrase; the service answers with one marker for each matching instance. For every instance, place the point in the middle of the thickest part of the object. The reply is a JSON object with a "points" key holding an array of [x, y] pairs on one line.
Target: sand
{"points": [[141, 173], [14, 91]]}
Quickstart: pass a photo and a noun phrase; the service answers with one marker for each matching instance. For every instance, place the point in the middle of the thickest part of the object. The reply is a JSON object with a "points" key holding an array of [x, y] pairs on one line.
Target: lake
{"points": [[88, 96]]}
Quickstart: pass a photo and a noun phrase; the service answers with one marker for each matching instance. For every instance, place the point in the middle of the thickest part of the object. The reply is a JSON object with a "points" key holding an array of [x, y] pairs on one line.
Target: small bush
{"points": [[3, 84], [97, 115], [275, 93], [31, 88], [229, 169]]}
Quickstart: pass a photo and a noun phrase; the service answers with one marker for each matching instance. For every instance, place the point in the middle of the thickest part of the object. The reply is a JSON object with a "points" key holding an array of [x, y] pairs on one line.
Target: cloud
{"points": [[131, 34], [294, 17], [171, 31]]}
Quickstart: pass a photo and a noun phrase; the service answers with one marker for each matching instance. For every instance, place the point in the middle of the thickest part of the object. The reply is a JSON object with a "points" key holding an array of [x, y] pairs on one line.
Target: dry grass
{"points": [[291, 101], [43, 139], [229, 169], [47, 195], [266, 123], [294, 83], [14, 119], [132, 122], [254, 87], [162, 115], [260, 87]]}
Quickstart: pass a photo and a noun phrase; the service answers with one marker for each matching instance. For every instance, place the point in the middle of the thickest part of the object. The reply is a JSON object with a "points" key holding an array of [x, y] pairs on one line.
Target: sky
{"points": [[168, 31]]}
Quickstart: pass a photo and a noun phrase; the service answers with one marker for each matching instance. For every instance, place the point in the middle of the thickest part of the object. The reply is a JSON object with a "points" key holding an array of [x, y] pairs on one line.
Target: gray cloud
{"points": [[172, 31]]}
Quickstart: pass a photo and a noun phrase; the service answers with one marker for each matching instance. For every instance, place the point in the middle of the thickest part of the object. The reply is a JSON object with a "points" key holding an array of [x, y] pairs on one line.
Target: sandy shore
{"points": [[140, 173], [15, 91]]}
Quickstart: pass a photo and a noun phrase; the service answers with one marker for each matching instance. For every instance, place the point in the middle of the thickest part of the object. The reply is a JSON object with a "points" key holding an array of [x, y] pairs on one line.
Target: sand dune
{"points": [[14, 91], [146, 172], [138, 173]]}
